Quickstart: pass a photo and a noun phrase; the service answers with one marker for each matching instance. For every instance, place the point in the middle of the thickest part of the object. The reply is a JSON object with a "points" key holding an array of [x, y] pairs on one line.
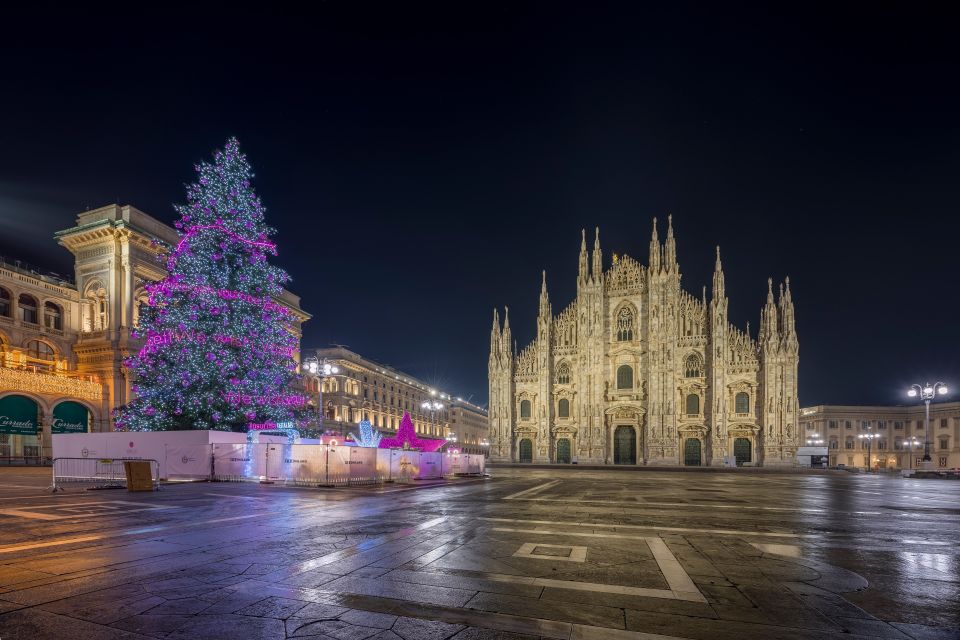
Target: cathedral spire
{"points": [[597, 257], [544, 298], [787, 320], [670, 248], [654, 250], [769, 333], [495, 333], [505, 337], [719, 289], [582, 270]]}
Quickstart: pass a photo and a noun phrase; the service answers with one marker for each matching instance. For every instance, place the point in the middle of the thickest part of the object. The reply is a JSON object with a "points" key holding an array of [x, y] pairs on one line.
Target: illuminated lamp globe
{"points": [[943, 390], [912, 393], [928, 390]]}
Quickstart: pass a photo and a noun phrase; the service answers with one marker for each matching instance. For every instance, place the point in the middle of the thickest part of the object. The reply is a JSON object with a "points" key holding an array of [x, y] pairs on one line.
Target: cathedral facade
{"points": [[637, 371]]}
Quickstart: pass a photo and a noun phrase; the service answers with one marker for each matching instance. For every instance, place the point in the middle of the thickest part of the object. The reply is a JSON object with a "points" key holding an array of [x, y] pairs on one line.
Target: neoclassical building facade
{"points": [[638, 371], [63, 341]]}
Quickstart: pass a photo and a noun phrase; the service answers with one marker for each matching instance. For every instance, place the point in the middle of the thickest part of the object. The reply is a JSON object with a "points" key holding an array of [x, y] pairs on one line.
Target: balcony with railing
{"points": [[44, 382]]}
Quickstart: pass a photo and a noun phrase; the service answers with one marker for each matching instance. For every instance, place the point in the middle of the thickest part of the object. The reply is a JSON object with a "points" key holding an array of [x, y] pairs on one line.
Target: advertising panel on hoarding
{"points": [[239, 460], [430, 465], [304, 463], [363, 463], [188, 462]]}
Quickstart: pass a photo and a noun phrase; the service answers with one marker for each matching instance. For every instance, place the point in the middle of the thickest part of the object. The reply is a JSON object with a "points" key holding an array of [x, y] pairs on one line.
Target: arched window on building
{"points": [[524, 408], [42, 352], [28, 309], [625, 325], [625, 377], [693, 366], [6, 304], [563, 373], [94, 307], [140, 300], [52, 316], [563, 408], [741, 402], [693, 404]]}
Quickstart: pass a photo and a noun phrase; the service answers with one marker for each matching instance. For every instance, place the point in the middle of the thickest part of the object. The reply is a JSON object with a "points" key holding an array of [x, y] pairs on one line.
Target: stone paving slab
{"points": [[560, 555]]}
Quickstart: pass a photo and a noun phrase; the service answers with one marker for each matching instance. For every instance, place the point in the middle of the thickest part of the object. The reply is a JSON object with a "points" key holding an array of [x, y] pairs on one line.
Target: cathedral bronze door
{"points": [[741, 450], [526, 451], [691, 452], [625, 445], [563, 451]]}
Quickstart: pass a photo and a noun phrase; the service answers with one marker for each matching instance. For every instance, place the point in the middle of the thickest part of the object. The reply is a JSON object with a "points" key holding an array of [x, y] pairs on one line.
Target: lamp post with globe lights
{"points": [[451, 438], [321, 369], [433, 407], [927, 393], [911, 442], [869, 438], [817, 458]]}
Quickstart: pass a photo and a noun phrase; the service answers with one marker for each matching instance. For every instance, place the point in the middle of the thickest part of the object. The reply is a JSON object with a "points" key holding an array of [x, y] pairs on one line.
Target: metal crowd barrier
{"points": [[97, 473]]}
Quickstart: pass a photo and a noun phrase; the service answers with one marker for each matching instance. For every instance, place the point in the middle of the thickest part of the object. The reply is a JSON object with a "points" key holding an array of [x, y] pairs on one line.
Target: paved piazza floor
{"points": [[562, 553]]}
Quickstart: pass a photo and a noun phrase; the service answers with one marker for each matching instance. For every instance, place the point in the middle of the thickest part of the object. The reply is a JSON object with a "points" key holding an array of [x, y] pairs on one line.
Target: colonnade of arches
{"points": [[625, 450], [27, 422]]}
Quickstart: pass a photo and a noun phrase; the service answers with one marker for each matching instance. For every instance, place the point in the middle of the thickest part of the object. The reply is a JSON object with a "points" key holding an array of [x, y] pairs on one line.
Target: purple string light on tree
{"points": [[213, 329]]}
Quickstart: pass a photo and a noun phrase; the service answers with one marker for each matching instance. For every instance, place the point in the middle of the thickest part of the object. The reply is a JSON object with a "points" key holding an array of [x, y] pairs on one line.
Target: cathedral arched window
{"points": [[693, 404], [693, 366], [563, 408], [742, 402], [625, 377], [524, 408], [625, 325], [563, 373]]}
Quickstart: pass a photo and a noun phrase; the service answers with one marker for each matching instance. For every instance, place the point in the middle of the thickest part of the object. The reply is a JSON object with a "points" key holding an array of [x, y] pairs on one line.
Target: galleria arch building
{"points": [[637, 371]]}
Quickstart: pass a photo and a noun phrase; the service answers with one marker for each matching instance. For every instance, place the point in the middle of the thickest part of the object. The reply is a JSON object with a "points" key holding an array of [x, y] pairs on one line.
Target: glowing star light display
{"points": [[217, 348], [407, 438], [369, 437]]}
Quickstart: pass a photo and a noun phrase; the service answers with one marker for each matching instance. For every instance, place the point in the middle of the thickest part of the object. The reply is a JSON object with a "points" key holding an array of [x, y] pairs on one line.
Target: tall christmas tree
{"points": [[218, 349]]}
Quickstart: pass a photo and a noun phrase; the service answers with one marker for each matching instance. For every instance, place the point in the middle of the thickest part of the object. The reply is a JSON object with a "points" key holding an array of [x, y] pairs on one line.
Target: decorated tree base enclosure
{"points": [[226, 456]]}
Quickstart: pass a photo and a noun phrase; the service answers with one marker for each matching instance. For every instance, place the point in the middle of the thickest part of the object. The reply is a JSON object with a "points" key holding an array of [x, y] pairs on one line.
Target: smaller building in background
{"points": [[900, 432], [470, 425], [363, 389]]}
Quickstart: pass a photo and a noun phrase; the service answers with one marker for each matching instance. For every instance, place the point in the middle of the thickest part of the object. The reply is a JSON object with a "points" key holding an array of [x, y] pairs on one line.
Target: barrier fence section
{"points": [[96, 473], [314, 464]]}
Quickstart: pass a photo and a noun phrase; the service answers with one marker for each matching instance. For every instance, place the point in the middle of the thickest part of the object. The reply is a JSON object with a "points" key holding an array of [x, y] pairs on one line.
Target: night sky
{"points": [[422, 164]]}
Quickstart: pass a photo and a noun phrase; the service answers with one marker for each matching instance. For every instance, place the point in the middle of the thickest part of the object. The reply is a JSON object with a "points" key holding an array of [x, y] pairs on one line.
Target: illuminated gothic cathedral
{"points": [[638, 371]]}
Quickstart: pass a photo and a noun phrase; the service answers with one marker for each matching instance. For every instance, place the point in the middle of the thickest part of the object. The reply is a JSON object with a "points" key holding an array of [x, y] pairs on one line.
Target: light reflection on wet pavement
{"points": [[559, 553]]}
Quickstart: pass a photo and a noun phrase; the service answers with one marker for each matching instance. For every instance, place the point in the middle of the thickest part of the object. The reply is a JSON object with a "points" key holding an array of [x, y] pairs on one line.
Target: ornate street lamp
{"points": [[927, 393], [320, 369], [451, 438], [912, 442], [432, 406], [869, 437]]}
